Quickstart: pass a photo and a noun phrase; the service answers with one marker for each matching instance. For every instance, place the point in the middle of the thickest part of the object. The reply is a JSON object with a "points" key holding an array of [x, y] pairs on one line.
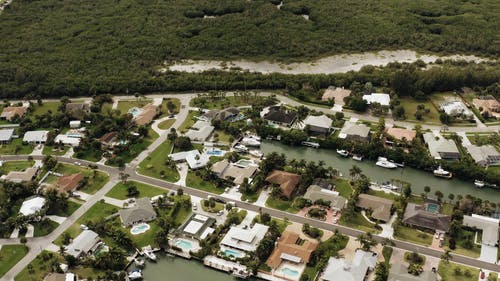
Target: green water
{"points": [[418, 179]]}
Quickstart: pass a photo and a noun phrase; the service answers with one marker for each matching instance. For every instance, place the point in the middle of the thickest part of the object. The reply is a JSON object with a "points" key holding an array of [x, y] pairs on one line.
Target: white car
{"points": [[77, 163], [195, 206]]}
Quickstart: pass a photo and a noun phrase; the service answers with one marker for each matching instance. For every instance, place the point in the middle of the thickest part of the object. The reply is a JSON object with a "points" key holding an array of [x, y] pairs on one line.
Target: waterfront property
{"points": [[441, 148], [35, 137], [315, 192], [399, 272], [424, 217], [277, 115], [194, 159], [200, 131], [235, 173], [288, 182], [242, 239], [84, 244], [196, 227], [380, 207], [32, 205], [380, 98], [489, 226], [355, 270], [355, 132], [485, 155], [142, 211], [321, 124], [235, 268], [402, 135]]}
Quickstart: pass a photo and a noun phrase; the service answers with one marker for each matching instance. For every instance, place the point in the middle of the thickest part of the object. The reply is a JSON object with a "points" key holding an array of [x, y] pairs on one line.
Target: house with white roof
{"points": [[84, 244], [441, 148], [67, 140], [6, 135], [32, 205], [243, 239], [489, 226], [193, 158], [35, 137], [380, 98], [355, 270], [456, 109], [321, 124], [196, 227]]}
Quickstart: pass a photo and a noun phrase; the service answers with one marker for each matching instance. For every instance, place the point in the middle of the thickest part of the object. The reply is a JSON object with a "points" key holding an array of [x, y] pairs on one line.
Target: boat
{"points": [[384, 163], [135, 274], [241, 148], [388, 185], [440, 172], [249, 141], [148, 252], [310, 144], [139, 262], [479, 183], [357, 157], [256, 153], [342, 152]]}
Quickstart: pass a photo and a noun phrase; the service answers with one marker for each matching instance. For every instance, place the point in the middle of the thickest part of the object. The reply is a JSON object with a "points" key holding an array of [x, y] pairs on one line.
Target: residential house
{"points": [[6, 135], [32, 205], [60, 277], [69, 183], [488, 104], [288, 182], [35, 137], [485, 155], [380, 207], [68, 140], [399, 272], [201, 134], [318, 124], [196, 227], [400, 134], [21, 176], [109, 140], [323, 183], [291, 248], [147, 114], [243, 239], [75, 124], [84, 244], [77, 110], [225, 170], [9, 113], [278, 116], [441, 148], [380, 98], [419, 216], [355, 270], [355, 132], [222, 115], [488, 225], [143, 211], [336, 94], [315, 192], [456, 109], [193, 158]]}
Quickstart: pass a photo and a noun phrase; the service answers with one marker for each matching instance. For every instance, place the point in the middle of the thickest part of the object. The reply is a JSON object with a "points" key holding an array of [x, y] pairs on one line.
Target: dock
{"points": [[310, 144], [234, 268]]}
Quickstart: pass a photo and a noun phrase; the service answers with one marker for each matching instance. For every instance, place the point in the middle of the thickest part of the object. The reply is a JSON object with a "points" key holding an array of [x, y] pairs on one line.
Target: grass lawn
{"points": [[447, 209], [146, 238], [387, 253], [10, 255], [51, 106], [164, 108], [42, 229], [154, 165], [447, 271], [164, 125], [224, 102], [15, 147], [73, 205], [50, 150], [222, 136], [280, 204], [343, 187], [252, 197], [410, 106], [95, 182], [119, 191], [106, 107], [15, 166], [281, 224], [190, 120], [410, 234], [465, 236], [218, 207], [194, 181], [124, 106], [358, 222]]}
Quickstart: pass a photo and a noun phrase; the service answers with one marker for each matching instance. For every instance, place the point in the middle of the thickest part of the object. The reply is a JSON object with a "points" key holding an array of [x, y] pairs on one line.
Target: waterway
{"points": [[418, 179]]}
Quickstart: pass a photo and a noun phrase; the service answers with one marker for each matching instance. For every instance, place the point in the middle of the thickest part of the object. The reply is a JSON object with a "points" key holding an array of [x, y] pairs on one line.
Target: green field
{"points": [[358, 222], [10, 255], [42, 229], [220, 103], [164, 108], [47, 106], [447, 271], [119, 191], [194, 181], [15, 147], [154, 164], [189, 121], [410, 234], [343, 187], [280, 204], [410, 106], [50, 150], [15, 166], [164, 125]]}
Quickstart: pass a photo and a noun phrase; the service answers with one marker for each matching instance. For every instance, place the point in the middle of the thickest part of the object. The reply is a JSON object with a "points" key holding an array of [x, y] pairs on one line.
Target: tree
{"points": [[366, 241], [355, 171], [446, 256], [183, 143], [381, 271], [451, 196], [180, 192], [132, 191], [49, 162], [171, 106], [427, 189], [439, 195], [124, 177]]}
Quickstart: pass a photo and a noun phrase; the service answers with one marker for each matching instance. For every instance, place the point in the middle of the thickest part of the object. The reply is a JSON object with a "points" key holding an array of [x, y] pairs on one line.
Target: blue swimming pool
{"points": [[288, 272], [433, 208], [183, 244], [215, 152], [134, 111], [140, 228], [231, 253]]}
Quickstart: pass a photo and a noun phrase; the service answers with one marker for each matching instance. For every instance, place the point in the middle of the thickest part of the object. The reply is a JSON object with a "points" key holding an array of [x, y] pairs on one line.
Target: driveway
{"points": [[387, 230], [261, 201]]}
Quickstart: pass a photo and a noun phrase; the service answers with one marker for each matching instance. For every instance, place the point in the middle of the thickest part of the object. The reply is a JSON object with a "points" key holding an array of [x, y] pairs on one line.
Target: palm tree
{"points": [[355, 171]]}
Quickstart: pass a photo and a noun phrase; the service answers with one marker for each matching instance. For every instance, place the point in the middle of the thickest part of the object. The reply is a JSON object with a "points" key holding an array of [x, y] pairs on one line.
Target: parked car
{"points": [[195, 206]]}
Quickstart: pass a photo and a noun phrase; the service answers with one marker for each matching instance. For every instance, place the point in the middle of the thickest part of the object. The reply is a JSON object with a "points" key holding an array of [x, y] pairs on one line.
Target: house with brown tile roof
{"points": [[109, 140], [381, 207], [337, 94], [69, 183], [10, 112], [291, 248], [488, 104], [287, 181], [148, 113], [401, 134]]}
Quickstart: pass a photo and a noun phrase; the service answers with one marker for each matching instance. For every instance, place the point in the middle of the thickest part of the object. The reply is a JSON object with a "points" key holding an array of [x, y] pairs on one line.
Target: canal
{"points": [[418, 179]]}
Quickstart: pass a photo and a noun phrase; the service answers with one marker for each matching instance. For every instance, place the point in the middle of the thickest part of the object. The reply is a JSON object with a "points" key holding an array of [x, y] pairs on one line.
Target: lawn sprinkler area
{"points": [[140, 228]]}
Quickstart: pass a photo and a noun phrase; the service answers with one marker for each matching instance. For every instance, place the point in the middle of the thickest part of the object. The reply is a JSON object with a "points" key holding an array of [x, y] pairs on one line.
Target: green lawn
{"points": [[387, 253], [124, 106], [40, 267], [412, 235], [465, 236], [190, 120], [50, 150], [164, 125], [218, 207], [15, 166], [251, 197], [51, 106], [343, 187], [15, 147], [119, 191], [447, 271], [194, 181], [10, 255], [222, 136], [283, 205], [73, 205], [410, 106], [94, 184], [42, 229], [359, 222], [221, 103], [154, 164], [164, 108]]}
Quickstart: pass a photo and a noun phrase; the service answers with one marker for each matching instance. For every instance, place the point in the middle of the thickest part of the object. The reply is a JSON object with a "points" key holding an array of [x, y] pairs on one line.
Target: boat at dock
{"points": [[479, 183], [441, 173], [241, 148], [256, 153], [148, 252], [310, 144], [135, 274], [388, 185], [139, 262], [250, 141], [384, 163], [342, 152], [357, 157]]}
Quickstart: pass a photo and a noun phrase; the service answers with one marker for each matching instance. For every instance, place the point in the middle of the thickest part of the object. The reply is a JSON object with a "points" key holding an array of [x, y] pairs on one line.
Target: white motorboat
{"points": [[342, 152], [440, 172], [256, 153], [241, 148], [357, 157], [149, 254], [388, 185], [249, 141], [479, 183], [384, 163], [135, 274], [139, 262]]}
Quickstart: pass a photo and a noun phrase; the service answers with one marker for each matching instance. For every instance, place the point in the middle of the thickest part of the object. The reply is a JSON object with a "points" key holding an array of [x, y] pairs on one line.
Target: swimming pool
{"points": [[288, 272], [134, 111], [231, 253], [183, 244], [433, 208], [214, 152], [243, 163], [140, 228]]}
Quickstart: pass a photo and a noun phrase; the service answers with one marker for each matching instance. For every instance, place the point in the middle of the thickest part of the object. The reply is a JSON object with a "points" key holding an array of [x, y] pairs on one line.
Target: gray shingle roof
{"points": [[142, 211]]}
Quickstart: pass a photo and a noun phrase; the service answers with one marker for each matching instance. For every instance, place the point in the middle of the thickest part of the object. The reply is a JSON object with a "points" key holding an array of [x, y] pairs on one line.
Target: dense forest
{"points": [[70, 47]]}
